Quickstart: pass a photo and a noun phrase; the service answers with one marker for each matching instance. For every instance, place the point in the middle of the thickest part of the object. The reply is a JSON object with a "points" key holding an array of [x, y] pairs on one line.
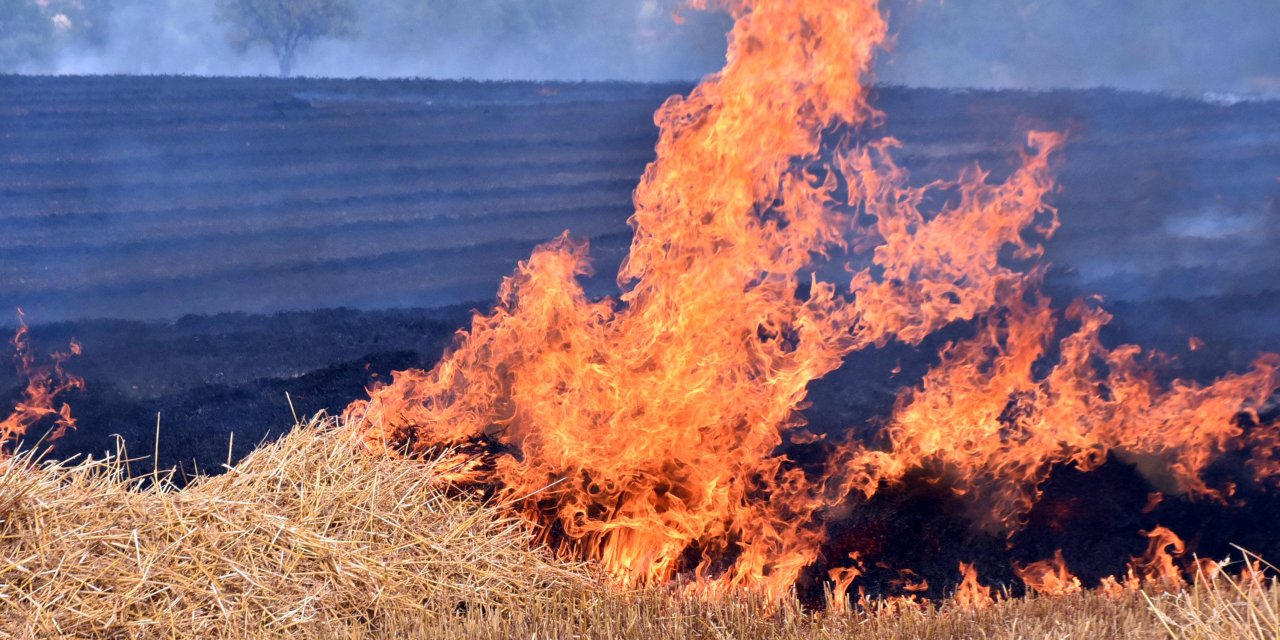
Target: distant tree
{"points": [[285, 25], [26, 34]]}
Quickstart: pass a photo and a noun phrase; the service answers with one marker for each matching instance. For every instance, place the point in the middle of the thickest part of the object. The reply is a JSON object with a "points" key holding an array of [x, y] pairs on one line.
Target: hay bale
{"points": [[305, 537]]}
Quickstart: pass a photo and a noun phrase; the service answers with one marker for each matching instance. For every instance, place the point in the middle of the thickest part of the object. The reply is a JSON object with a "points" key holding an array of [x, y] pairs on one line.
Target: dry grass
{"points": [[654, 615], [1244, 608], [305, 538]]}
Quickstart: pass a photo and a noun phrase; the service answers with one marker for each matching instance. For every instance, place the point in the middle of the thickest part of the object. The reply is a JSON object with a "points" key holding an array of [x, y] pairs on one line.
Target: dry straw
{"points": [[1246, 607], [303, 537]]}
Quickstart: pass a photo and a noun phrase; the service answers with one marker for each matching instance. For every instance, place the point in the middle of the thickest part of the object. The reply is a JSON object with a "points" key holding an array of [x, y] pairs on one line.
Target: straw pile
{"points": [[305, 537]]}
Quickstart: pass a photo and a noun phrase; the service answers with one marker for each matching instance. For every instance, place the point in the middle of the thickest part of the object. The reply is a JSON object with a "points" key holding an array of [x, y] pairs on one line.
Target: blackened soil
{"points": [[215, 378]]}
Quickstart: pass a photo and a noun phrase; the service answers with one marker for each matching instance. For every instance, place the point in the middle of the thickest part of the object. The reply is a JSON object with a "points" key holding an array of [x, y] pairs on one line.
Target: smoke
{"points": [[1152, 45], [145, 37], [1193, 46], [639, 40]]}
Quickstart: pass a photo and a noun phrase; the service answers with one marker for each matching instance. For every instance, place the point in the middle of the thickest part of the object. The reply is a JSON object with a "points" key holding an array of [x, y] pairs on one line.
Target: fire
{"points": [[45, 383], [1253, 578], [1205, 570], [841, 578], [972, 594], [1049, 577], [998, 426], [644, 432], [1114, 589], [1155, 568]]}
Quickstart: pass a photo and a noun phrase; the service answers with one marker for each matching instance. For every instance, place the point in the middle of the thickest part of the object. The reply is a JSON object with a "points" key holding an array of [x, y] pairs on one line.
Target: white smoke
{"points": [[1185, 46]]}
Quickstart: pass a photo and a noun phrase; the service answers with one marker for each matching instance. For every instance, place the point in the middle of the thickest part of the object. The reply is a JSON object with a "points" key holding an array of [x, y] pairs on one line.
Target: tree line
{"points": [[33, 31]]}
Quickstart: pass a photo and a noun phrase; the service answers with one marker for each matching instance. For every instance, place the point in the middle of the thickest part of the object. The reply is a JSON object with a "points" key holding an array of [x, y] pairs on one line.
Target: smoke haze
{"points": [[1148, 45], [1182, 46], [635, 40]]}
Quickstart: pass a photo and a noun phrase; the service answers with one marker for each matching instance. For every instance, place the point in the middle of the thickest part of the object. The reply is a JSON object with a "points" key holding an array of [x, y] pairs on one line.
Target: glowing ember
{"points": [[644, 432], [39, 397]]}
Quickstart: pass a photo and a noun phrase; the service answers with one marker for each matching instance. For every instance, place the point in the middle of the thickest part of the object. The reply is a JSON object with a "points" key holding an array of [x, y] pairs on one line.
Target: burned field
{"points": [[216, 244], [154, 198]]}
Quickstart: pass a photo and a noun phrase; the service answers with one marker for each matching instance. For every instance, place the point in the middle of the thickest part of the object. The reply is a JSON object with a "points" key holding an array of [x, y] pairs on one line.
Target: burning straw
{"points": [[305, 539]]}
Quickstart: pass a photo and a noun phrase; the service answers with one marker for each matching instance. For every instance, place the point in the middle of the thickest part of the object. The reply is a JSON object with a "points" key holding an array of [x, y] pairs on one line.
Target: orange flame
{"points": [[1113, 588], [1253, 578], [972, 594], [999, 427], [1205, 570], [1048, 577], [644, 432], [39, 396], [841, 578], [1155, 568]]}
